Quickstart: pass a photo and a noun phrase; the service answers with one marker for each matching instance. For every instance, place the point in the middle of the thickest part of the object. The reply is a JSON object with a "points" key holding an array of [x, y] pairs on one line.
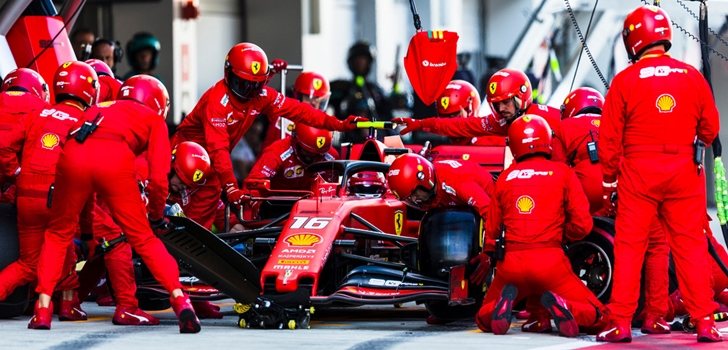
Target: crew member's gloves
{"points": [[609, 198], [160, 226], [278, 64], [235, 195], [482, 266], [349, 124], [412, 124]]}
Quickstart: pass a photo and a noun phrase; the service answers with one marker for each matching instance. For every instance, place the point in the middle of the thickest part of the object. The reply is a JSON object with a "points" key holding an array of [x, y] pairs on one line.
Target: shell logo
{"points": [[525, 204], [320, 141], [445, 102], [50, 141], [317, 84], [255, 67], [303, 240], [492, 87], [665, 103], [197, 176], [596, 122]]}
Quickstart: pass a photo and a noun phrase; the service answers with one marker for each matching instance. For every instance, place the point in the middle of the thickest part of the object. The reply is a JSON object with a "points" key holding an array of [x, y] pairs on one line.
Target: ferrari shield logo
{"points": [[317, 83], [255, 67], [444, 102], [398, 222], [65, 65], [197, 175], [492, 87], [320, 141], [596, 122]]}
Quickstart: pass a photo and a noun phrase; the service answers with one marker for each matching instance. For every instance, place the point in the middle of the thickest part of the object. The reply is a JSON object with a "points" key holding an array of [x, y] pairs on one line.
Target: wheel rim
{"points": [[592, 265]]}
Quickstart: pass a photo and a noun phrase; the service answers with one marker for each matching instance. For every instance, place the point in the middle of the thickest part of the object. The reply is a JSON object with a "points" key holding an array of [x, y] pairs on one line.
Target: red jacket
{"points": [[533, 199], [576, 132], [141, 130], [38, 143], [657, 102], [108, 88], [280, 164], [460, 183], [15, 107], [218, 122], [489, 126]]}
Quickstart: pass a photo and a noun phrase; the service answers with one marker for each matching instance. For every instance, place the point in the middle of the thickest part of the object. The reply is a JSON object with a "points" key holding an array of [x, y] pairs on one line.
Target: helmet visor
{"points": [[419, 197], [319, 103], [243, 89]]}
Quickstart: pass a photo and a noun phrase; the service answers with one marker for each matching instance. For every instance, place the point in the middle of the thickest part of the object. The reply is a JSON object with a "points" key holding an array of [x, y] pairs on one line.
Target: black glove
{"points": [[160, 225]]}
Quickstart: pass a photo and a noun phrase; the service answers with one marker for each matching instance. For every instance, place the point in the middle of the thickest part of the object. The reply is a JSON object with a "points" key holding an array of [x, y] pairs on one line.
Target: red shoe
{"points": [[188, 321], [205, 309], [564, 320], [655, 325], [70, 310], [616, 333], [500, 321], [537, 324], [42, 317], [434, 320], [133, 316], [707, 333], [103, 295]]}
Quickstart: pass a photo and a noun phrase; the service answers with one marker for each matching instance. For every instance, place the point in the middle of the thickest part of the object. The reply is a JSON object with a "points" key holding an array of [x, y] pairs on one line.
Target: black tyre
{"points": [[592, 259], [17, 302]]}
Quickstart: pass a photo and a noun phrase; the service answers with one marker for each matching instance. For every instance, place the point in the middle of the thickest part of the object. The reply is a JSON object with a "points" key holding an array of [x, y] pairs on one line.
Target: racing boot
{"points": [[707, 333], [205, 309], [502, 315], [70, 310], [103, 295], [616, 332], [655, 325], [563, 318], [188, 321], [537, 324], [523, 315], [42, 317], [133, 316]]}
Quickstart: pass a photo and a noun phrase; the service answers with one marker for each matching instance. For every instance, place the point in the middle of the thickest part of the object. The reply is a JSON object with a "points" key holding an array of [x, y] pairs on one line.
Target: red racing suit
{"points": [[108, 88], [15, 106], [576, 132], [280, 164], [218, 122], [460, 183], [104, 164], [540, 203], [490, 126], [39, 141], [652, 113]]}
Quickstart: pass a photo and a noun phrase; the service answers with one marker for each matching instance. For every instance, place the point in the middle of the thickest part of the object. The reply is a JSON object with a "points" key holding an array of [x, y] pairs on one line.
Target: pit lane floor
{"points": [[365, 328]]}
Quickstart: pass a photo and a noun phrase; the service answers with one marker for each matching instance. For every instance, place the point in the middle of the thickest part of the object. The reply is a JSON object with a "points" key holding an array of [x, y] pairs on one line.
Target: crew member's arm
{"points": [[578, 221], [10, 150], [300, 112], [270, 160], [451, 127], [493, 224], [159, 160], [610, 131], [709, 122]]}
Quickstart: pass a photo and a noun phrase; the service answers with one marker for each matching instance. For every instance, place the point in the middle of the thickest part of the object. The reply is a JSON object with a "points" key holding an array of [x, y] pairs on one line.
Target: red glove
{"points": [[235, 195], [278, 65], [349, 124], [412, 124], [482, 267], [609, 198]]}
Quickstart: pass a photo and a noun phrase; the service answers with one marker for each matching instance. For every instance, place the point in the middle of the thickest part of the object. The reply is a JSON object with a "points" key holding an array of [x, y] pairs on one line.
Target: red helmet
{"points": [[506, 84], [28, 80], [529, 134], [408, 173], [100, 67], [459, 95], [148, 91], [246, 70], [313, 89], [582, 100], [191, 163], [645, 27], [366, 184], [312, 140], [78, 81]]}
